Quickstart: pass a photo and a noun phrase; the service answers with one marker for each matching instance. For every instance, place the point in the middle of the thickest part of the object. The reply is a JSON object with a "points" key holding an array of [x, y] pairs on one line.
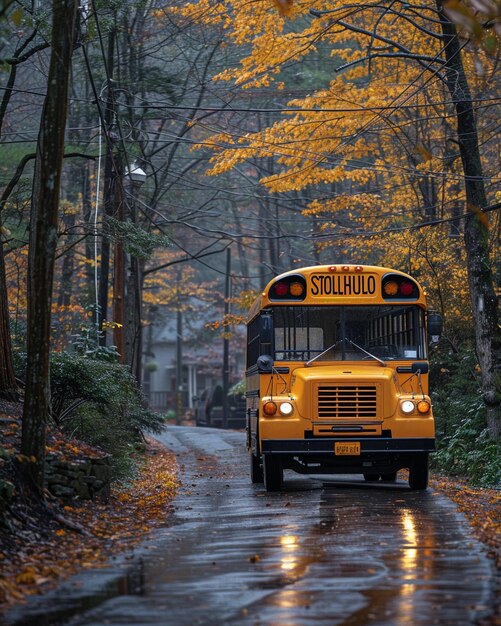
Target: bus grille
{"points": [[347, 402]]}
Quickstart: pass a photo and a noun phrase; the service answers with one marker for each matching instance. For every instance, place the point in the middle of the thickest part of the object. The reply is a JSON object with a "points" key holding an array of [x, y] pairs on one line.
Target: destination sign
{"points": [[343, 285]]}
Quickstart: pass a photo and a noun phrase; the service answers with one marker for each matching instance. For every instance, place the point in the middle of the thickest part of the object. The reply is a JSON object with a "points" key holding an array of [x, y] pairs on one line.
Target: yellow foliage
{"points": [[175, 285], [378, 144]]}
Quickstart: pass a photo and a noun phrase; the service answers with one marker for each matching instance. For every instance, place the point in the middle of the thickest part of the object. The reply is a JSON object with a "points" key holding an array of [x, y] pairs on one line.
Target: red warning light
{"points": [[406, 288], [281, 289]]}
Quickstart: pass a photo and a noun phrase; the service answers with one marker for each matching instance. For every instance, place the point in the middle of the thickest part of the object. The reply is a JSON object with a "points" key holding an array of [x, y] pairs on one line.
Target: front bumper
{"points": [[325, 446], [378, 455]]}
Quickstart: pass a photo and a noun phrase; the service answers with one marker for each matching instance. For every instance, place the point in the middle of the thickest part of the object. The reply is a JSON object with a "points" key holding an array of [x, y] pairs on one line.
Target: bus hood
{"points": [[345, 391]]}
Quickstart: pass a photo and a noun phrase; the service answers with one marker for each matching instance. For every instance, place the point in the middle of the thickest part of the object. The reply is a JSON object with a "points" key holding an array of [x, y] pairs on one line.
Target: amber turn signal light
{"points": [[423, 406], [390, 288], [296, 289], [269, 408]]}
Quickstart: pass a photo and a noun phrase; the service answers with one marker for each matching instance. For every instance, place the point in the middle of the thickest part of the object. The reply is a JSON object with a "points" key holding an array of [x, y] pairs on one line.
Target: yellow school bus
{"points": [[337, 375]]}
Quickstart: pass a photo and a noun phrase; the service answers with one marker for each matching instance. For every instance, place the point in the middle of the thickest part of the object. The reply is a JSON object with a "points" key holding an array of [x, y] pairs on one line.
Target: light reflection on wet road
{"points": [[327, 551]]}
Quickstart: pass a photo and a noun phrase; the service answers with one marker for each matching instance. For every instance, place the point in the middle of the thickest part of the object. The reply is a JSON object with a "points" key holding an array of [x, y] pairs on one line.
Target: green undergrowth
{"points": [[98, 402], [464, 447]]}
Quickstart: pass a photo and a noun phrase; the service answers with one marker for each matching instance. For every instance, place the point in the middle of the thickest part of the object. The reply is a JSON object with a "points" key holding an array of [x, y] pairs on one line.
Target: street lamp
{"points": [[134, 175]]}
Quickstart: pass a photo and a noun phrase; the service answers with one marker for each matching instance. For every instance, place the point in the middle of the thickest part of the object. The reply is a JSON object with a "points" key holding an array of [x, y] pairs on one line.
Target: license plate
{"points": [[347, 448]]}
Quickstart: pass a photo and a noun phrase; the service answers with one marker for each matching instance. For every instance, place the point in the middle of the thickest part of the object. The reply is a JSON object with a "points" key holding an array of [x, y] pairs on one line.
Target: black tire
{"points": [[371, 478], [418, 473], [390, 477], [256, 470], [273, 472]]}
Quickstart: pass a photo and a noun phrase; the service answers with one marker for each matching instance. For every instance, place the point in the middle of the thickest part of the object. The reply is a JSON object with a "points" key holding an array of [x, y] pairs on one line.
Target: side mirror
{"points": [[265, 364], [435, 325], [265, 328], [419, 367]]}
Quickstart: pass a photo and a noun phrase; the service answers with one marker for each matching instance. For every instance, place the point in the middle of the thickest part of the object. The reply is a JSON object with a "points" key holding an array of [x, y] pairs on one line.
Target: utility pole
{"points": [[261, 246], [149, 352], [179, 365], [179, 349], [119, 283], [226, 341]]}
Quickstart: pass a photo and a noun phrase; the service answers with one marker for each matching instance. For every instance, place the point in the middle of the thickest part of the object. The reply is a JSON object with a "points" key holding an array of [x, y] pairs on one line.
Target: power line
{"points": [[395, 229], [258, 110]]}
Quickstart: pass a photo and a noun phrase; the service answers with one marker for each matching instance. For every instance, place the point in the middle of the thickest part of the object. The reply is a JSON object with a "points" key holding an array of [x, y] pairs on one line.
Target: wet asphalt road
{"points": [[327, 550]]}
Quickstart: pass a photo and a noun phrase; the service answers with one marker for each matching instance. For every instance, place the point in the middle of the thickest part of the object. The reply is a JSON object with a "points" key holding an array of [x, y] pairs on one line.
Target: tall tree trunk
{"points": [[7, 377], [133, 296], [480, 277], [119, 285], [110, 175], [90, 242], [68, 264], [133, 316], [8, 387], [43, 240]]}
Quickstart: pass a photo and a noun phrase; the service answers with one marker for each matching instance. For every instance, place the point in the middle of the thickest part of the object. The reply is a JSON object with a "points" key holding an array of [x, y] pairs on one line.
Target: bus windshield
{"points": [[348, 333]]}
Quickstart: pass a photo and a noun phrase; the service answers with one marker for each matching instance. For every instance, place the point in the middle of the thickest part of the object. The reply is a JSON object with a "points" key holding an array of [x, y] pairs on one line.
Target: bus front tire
{"points": [[418, 473], [273, 472], [256, 470]]}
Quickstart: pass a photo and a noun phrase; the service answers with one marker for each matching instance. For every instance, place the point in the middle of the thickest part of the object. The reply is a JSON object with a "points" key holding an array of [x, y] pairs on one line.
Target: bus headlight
{"points": [[407, 406], [286, 408]]}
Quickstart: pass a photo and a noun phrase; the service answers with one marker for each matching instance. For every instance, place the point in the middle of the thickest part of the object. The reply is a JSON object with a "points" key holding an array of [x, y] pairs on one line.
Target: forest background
{"points": [[141, 140]]}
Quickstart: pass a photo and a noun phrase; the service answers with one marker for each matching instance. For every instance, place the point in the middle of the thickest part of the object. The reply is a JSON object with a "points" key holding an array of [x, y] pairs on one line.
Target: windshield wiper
{"points": [[365, 352], [353, 344], [324, 352]]}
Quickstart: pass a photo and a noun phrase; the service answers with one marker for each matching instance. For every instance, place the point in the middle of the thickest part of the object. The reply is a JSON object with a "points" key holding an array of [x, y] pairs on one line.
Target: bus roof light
{"points": [[390, 288], [406, 288], [346, 268], [281, 289], [397, 286], [291, 287], [359, 268], [296, 289], [332, 268]]}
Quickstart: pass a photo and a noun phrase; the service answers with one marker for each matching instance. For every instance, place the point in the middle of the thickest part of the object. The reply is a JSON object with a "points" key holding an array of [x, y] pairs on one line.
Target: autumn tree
{"points": [[26, 48], [43, 238], [140, 132], [158, 106], [476, 230], [390, 145]]}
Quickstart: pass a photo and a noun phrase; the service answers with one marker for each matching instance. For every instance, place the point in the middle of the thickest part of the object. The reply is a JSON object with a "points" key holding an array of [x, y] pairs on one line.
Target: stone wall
{"points": [[87, 478]]}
